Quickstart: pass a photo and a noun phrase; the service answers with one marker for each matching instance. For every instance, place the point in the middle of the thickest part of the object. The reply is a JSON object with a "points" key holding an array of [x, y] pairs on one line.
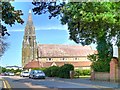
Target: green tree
{"points": [[3, 69], [90, 22], [9, 16]]}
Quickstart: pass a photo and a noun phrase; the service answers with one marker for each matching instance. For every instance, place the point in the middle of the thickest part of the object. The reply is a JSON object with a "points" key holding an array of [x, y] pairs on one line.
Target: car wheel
{"points": [[33, 77]]}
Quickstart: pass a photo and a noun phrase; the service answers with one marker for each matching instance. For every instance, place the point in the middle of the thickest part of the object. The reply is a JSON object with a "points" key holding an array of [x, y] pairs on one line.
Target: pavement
{"points": [[88, 82]]}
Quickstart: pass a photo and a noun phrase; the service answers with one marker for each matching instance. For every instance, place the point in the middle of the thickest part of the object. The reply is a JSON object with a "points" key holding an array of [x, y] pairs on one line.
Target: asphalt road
{"points": [[45, 84]]}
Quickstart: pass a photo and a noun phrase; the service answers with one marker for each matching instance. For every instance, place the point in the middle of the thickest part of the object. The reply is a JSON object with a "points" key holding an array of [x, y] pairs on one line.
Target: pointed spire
{"points": [[30, 15], [30, 11]]}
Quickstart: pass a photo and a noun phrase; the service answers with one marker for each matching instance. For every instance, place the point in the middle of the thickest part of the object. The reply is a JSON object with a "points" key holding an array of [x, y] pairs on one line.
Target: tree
{"points": [[9, 16], [3, 45], [3, 70], [89, 22], [95, 22]]}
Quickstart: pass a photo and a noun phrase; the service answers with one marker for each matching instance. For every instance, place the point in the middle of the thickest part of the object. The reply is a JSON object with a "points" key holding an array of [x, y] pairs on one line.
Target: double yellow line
{"points": [[6, 84]]}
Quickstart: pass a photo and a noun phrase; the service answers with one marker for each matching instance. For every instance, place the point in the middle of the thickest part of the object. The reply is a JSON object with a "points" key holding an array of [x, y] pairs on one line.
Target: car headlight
{"points": [[37, 75]]}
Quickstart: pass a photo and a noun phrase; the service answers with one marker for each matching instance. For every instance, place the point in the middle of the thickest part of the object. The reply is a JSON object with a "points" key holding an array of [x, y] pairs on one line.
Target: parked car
{"points": [[37, 74], [24, 74], [6, 73], [2, 74], [11, 74]]}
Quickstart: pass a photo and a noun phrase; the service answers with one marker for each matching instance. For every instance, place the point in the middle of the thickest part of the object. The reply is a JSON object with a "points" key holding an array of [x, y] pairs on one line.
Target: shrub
{"points": [[64, 71], [42, 69], [86, 72], [47, 71], [101, 66], [83, 72], [35, 68], [78, 72], [54, 71]]}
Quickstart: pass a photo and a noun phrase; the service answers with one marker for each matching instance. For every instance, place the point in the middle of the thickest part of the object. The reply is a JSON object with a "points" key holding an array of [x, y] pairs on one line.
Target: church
{"points": [[45, 55]]}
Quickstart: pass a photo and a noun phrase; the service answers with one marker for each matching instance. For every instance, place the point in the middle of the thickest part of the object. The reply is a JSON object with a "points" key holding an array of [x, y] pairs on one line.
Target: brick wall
{"points": [[105, 76]]}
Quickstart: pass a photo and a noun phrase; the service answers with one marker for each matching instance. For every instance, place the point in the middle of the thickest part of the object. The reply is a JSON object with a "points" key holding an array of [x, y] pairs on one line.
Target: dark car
{"points": [[37, 74]]}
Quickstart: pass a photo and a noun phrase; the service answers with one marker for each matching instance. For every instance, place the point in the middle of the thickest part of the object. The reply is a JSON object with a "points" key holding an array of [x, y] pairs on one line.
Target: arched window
{"points": [[49, 59]]}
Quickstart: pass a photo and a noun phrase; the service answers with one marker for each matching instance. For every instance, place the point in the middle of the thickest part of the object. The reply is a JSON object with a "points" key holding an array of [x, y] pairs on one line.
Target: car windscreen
{"points": [[38, 72]]}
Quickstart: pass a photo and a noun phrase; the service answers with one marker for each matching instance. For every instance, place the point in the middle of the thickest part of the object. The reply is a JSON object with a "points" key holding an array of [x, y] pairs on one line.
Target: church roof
{"points": [[38, 64], [53, 50], [32, 64]]}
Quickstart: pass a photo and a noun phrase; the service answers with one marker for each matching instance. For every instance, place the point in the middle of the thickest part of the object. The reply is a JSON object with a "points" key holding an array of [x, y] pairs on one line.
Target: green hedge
{"points": [[55, 71], [52, 71], [64, 71]]}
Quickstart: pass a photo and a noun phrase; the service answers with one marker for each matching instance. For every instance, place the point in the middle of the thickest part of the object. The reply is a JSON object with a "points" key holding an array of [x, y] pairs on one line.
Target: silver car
{"points": [[37, 74]]}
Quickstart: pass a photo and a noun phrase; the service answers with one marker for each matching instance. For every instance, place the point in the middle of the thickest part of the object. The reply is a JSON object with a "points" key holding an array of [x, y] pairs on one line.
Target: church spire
{"points": [[30, 15], [29, 47], [30, 11]]}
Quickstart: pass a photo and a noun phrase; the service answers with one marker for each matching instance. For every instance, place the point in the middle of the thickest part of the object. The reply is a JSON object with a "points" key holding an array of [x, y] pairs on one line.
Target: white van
{"points": [[24, 74]]}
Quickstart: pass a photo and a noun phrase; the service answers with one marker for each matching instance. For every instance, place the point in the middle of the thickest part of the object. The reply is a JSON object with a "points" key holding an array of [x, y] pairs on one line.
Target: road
{"points": [[48, 83]]}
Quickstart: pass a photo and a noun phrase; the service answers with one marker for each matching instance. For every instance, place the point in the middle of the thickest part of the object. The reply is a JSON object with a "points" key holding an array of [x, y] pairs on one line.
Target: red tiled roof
{"points": [[52, 50], [38, 64], [32, 64]]}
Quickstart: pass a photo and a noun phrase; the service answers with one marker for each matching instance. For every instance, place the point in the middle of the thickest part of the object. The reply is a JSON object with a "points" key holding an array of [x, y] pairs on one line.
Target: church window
{"points": [[76, 58], [49, 59]]}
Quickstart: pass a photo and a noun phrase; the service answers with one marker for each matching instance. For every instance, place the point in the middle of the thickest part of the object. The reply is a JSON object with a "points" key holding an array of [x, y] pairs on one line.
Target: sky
{"points": [[47, 32]]}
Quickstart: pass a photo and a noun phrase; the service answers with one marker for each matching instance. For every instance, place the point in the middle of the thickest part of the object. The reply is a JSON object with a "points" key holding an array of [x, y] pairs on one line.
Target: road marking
{"points": [[6, 84]]}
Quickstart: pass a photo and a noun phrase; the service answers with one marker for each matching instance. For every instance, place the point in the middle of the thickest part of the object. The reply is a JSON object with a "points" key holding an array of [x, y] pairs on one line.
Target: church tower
{"points": [[29, 45]]}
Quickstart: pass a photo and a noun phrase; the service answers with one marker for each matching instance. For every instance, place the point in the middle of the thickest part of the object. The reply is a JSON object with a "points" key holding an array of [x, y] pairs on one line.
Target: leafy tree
{"points": [[88, 22], [3, 69], [9, 16], [3, 45], [54, 8]]}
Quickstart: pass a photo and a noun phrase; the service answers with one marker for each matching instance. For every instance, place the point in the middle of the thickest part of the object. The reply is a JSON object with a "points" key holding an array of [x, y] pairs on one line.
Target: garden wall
{"points": [[104, 76]]}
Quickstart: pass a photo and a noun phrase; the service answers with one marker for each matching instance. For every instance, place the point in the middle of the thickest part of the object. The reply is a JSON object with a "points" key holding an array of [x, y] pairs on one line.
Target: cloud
{"points": [[23, 0], [16, 30], [52, 28], [41, 28]]}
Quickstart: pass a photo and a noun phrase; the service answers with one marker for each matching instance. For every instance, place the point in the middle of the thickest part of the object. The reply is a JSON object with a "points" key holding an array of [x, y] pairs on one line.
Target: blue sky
{"points": [[47, 32]]}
